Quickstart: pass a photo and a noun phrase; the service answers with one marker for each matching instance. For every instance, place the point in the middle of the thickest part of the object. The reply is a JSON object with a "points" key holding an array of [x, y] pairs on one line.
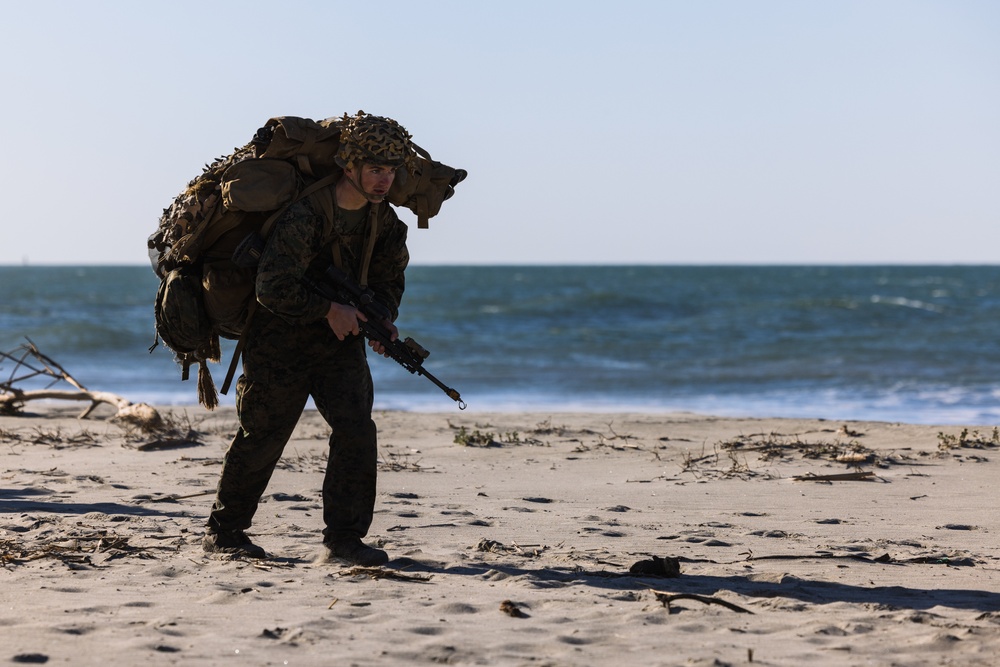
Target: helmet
{"points": [[373, 139]]}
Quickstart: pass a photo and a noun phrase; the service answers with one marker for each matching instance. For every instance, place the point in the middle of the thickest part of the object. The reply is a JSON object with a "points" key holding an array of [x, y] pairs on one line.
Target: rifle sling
{"points": [[370, 248]]}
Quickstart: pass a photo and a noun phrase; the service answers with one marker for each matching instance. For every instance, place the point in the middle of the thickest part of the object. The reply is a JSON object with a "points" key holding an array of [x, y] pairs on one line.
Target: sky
{"points": [[627, 132]]}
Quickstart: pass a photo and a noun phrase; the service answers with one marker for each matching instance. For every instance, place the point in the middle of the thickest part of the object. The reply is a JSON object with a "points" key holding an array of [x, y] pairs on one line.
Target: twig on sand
{"points": [[172, 498], [860, 476], [667, 598], [380, 573]]}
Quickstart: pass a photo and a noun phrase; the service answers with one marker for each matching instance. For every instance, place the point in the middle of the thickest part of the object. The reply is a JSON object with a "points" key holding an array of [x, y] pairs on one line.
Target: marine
{"points": [[300, 345]]}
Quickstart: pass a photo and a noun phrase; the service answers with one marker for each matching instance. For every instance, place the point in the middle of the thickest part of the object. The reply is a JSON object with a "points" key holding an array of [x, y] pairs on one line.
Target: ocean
{"points": [[889, 343]]}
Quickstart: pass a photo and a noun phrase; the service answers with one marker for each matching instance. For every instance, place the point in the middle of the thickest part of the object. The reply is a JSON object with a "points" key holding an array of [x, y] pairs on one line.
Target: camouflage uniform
{"points": [[291, 354]]}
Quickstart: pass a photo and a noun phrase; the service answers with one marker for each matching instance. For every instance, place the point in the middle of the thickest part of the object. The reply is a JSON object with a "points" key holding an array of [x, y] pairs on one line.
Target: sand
{"points": [[511, 537]]}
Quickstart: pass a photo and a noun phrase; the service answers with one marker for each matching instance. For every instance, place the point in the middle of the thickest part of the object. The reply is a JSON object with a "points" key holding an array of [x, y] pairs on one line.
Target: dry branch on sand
{"points": [[30, 363]]}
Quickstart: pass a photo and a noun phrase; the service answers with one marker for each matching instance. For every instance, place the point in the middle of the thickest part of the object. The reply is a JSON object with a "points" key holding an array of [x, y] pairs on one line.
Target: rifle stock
{"points": [[338, 286]]}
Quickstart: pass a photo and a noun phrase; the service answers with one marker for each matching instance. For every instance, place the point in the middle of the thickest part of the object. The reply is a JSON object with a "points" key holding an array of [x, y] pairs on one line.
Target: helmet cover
{"points": [[374, 140]]}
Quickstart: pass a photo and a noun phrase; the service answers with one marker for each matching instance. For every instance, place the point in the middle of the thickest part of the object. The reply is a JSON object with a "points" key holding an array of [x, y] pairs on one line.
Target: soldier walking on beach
{"points": [[299, 344]]}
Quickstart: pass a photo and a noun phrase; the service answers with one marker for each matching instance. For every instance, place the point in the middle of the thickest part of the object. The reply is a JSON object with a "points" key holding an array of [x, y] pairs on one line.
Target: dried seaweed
{"points": [[74, 551]]}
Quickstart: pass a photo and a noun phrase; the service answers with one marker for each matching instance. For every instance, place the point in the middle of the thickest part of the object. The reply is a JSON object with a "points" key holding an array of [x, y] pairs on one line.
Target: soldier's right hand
{"points": [[343, 320]]}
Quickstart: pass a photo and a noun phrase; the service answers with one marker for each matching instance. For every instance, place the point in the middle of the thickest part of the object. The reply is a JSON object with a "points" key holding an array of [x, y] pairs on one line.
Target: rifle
{"points": [[340, 287]]}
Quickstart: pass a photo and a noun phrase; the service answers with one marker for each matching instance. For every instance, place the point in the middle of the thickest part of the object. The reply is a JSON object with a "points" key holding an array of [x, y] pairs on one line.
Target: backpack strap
{"points": [[324, 182], [226, 224], [302, 155]]}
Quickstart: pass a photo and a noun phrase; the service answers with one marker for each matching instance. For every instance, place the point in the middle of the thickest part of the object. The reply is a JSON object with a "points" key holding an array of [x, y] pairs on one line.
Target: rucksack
{"points": [[203, 293]]}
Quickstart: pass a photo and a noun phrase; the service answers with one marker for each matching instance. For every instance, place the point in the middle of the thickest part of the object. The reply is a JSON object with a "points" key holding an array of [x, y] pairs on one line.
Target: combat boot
{"points": [[355, 552], [232, 542]]}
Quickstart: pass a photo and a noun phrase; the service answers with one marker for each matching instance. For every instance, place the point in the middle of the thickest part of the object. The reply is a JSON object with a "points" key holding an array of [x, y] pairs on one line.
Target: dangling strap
{"points": [[206, 387], [423, 207], [240, 344]]}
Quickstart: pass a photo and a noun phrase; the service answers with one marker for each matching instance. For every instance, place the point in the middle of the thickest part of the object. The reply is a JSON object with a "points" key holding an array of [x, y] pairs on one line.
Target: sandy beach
{"points": [[513, 540]]}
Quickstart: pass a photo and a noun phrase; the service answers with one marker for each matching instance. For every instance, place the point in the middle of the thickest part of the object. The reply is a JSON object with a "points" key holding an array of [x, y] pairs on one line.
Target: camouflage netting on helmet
{"points": [[373, 139]]}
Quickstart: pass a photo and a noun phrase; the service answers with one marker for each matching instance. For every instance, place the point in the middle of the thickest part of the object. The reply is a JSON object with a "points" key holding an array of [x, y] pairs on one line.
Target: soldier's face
{"points": [[376, 181]]}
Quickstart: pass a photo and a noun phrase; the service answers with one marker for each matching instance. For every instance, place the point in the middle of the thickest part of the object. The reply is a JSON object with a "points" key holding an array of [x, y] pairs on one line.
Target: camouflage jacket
{"points": [[301, 243]]}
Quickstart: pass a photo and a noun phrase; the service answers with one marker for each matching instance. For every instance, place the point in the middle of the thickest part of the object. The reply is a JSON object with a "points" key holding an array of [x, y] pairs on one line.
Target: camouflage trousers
{"points": [[283, 365]]}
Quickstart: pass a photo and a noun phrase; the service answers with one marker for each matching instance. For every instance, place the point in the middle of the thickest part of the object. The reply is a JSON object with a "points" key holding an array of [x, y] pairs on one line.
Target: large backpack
{"points": [[203, 293]]}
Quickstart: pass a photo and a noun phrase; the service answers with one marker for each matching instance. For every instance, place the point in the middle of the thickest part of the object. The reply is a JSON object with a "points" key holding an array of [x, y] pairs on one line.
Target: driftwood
{"points": [[30, 363]]}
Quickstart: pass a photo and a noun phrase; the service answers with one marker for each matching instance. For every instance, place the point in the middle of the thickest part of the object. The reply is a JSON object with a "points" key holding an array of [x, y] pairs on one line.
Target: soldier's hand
{"points": [[393, 335], [343, 320]]}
